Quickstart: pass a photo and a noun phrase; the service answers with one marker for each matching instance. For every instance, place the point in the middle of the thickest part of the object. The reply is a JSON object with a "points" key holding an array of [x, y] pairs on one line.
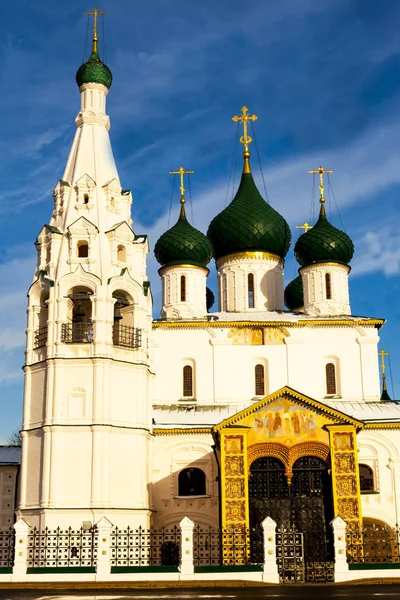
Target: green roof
{"points": [[249, 224], [323, 243], [183, 244], [294, 294], [94, 71]]}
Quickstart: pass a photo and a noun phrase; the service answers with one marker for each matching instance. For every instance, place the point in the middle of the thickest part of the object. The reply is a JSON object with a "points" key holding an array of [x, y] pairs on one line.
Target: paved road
{"points": [[295, 592]]}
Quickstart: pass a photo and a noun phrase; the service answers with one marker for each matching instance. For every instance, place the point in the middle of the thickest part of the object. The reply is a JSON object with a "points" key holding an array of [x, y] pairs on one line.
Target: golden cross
{"points": [[181, 172], [306, 227], [95, 14], [244, 118], [321, 172], [383, 366]]}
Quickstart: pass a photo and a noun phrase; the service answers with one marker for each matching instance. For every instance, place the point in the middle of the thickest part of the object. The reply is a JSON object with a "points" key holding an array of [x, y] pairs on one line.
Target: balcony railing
{"points": [[77, 333], [127, 337], [40, 337]]}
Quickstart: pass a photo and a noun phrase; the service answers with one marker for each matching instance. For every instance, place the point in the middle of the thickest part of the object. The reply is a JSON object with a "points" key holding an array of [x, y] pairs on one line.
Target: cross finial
{"points": [[306, 227], [321, 172], [383, 366], [95, 12], [181, 172], [245, 139]]}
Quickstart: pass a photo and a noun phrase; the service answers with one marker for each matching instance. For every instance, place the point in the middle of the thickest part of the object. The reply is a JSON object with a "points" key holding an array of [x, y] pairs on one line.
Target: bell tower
{"points": [[86, 420]]}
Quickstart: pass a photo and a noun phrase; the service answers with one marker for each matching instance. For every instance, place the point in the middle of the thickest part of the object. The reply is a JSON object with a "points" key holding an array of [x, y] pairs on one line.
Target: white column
{"points": [[339, 541], [104, 547], [270, 573], [21, 547], [186, 564]]}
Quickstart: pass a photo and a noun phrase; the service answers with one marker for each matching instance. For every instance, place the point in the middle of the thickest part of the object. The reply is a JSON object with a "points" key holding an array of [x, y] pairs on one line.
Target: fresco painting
{"points": [[287, 423]]}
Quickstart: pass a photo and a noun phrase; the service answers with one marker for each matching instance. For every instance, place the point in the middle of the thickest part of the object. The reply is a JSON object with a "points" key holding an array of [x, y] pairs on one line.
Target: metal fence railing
{"points": [[7, 545], [77, 333], [40, 337], [373, 544], [126, 336], [234, 546], [145, 547], [62, 548]]}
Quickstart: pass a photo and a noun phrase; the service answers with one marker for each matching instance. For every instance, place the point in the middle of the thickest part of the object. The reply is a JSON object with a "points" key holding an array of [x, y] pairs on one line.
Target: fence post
{"points": [[103, 547], [186, 566], [339, 542], [22, 530], [270, 565]]}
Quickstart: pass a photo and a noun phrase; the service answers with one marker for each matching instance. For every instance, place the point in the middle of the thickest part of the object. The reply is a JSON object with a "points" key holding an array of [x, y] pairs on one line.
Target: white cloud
{"points": [[378, 252]]}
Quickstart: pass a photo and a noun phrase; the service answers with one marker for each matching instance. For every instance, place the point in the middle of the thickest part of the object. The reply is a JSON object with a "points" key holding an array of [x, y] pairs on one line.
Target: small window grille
{"points": [[366, 478], [183, 288], [330, 379], [328, 286], [259, 380], [250, 288], [187, 381]]}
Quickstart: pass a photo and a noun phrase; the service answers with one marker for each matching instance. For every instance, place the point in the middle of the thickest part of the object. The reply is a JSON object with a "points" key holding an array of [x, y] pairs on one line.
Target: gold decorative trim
{"points": [[303, 323], [250, 255], [178, 431], [325, 264], [163, 270], [288, 455], [287, 391], [382, 426]]}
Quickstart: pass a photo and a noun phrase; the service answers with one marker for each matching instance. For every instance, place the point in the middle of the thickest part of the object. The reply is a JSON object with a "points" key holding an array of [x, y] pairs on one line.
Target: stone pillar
{"points": [[270, 573], [339, 541], [22, 530], [186, 565], [104, 547]]}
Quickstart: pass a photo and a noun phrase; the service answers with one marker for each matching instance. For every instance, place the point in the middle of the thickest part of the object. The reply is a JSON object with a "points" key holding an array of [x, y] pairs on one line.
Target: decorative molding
{"points": [[205, 324], [178, 431]]}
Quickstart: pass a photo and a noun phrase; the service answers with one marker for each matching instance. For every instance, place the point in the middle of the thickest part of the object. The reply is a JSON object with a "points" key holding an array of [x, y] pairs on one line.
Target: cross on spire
{"points": [[95, 12], [383, 366], [181, 172], [306, 227], [321, 172], [245, 139]]}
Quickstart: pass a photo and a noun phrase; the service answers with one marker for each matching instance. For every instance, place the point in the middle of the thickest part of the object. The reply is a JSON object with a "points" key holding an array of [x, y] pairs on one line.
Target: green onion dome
{"points": [[94, 71], [323, 243], [249, 224], [294, 295], [183, 244]]}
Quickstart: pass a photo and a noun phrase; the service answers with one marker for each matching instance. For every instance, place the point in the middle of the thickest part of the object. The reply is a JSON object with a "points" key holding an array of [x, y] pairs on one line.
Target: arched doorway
{"points": [[302, 504]]}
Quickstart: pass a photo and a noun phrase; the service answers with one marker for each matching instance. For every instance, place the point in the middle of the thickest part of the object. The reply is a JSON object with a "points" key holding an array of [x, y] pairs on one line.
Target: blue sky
{"points": [[323, 77]]}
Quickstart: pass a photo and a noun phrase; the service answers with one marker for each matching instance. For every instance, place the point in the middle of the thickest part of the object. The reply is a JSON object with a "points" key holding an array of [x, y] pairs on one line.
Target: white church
{"points": [[224, 417]]}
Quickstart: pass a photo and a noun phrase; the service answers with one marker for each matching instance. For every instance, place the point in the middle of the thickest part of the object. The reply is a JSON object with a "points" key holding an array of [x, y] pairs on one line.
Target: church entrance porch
{"points": [[302, 508]]}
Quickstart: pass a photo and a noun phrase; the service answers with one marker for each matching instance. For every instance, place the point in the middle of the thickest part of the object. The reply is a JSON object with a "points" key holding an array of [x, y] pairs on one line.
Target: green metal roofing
{"points": [[294, 294], [323, 243], [94, 71], [249, 224], [183, 244]]}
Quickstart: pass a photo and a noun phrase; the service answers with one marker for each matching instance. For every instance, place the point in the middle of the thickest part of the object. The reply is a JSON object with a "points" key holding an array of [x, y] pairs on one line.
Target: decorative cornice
{"points": [[324, 264], [391, 425], [178, 431], [272, 324], [163, 270], [246, 256], [292, 394]]}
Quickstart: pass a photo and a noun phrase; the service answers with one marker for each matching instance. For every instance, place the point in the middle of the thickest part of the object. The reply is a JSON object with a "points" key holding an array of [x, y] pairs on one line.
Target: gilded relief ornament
{"points": [[348, 508], [346, 486], [234, 465], [344, 463], [235, 511], [234, 488]]}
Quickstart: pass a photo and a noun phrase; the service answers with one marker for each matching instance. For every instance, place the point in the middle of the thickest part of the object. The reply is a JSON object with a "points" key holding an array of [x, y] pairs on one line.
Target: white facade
{"points": [[183, 292], [326, 289]]}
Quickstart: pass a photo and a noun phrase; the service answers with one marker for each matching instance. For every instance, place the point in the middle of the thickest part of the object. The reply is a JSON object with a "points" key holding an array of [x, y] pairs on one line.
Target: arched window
{"points": [[183, 288], [192, 482], [83, 249], [85, 198], [330, 379], [250, 289], [259, 380], [328, 286], [121, 253], [187, 381], [366, 478]]}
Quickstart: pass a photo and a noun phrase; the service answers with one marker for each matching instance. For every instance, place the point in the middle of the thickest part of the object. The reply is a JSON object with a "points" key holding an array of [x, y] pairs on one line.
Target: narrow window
{"points": [[259, 380], [187, 381], [328, 286], [330, 379], [250, 289], [121, 253], [85, 198], [112, 201], [83, 249], [192, 482], [183, 288], [366, 478]]}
